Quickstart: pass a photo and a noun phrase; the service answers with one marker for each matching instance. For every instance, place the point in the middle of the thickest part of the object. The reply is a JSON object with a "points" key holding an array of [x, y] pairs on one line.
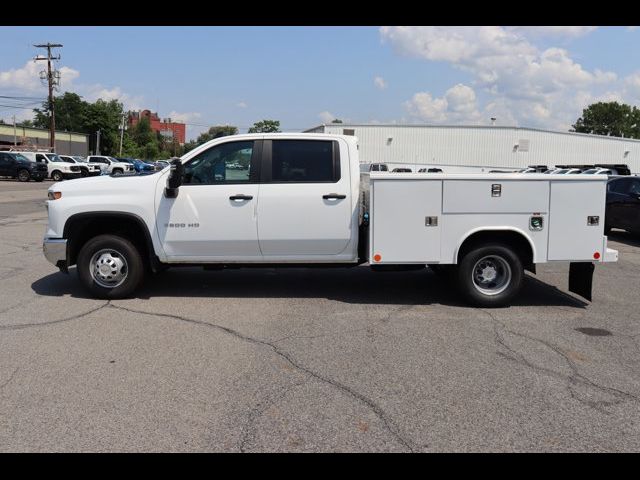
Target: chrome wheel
{"points": [[108, 268], [491, 275]]}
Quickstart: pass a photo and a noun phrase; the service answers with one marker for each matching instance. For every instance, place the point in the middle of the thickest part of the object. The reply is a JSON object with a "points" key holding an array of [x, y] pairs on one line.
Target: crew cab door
{"points": [[5, 164], [213, 217], [305, 207]]}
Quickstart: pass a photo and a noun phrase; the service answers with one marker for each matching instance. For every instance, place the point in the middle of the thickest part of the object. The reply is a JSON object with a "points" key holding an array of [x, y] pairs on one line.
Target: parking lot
{"points": [[310, 359]]}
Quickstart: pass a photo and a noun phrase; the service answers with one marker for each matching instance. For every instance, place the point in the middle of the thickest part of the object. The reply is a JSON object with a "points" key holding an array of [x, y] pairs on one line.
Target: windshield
{"points": [[79, 159], [66, 158], [591, 171], [54, 158], [20, 157]]}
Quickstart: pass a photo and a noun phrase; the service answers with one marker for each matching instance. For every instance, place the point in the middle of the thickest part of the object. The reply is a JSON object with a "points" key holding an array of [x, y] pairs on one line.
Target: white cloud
{"points": [[380, 83], [458, 105], [27, 78], [185, 117], [326, 117], [529, 85], [241, 105]]}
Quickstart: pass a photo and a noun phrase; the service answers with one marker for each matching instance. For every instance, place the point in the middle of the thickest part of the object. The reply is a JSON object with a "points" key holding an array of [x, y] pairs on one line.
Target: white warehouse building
{"points": [[464, 148]]}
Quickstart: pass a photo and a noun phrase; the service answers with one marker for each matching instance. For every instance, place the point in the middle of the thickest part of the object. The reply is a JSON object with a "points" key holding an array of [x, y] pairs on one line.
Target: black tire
{"points": [[495, 257], [119, 247], [23, 175], [56, 176], [117, 172], [84, 172]]}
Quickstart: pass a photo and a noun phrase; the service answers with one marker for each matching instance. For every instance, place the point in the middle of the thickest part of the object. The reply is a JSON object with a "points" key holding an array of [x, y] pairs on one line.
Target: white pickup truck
{"points": [[110, 165], [302, 201]]}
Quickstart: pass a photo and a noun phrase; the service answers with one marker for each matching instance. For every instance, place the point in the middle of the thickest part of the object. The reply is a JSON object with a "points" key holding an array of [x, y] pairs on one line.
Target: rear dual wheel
{"points": [[490, 275]]}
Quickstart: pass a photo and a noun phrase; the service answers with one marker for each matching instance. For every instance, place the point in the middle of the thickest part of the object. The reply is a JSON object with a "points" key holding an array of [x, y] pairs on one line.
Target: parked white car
{"points": [[111, 166], [87, 169], [303, 201], [57, 168], [598, 171]]}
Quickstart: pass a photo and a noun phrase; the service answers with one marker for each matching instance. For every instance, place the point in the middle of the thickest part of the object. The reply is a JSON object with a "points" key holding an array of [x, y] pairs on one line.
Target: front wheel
{"points": [[23, 175], [110, 267], [117, 172], [490, 275], [57, 176]]}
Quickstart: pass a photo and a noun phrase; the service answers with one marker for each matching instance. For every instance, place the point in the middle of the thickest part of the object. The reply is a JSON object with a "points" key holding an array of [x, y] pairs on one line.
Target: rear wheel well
{"points": [[80, 229], [515, 240]]}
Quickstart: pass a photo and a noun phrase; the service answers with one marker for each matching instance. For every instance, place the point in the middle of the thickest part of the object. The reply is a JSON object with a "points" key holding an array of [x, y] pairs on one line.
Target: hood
{"points": [[107, 184]]}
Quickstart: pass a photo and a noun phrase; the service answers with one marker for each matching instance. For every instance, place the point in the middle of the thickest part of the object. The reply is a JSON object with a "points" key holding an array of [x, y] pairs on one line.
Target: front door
{"points": [[5, 164], [305, 207], [213, 217]]}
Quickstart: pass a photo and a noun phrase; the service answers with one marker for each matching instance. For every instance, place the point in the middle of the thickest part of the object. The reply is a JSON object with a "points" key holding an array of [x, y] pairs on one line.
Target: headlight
{"points": [[54, 195]]}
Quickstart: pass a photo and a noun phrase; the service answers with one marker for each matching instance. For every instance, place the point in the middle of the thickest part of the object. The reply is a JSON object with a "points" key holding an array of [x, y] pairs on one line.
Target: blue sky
{"points": [[302, 76]]}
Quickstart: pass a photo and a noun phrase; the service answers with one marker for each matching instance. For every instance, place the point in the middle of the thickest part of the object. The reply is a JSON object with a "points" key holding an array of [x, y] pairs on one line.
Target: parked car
{"points": [[401, 170], [378, 167], [18, 166], [111, 166], [57, 168], [567, 171], [430, 170], [86, 169], [138, 165], [597, 171], [623, 204], [163, 163]]}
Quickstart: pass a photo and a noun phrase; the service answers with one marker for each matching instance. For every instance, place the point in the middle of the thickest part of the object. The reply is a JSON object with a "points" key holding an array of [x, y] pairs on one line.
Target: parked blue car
{"points": [[139, 165]]}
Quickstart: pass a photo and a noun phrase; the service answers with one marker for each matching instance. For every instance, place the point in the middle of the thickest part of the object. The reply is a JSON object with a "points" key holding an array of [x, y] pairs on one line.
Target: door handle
{"points": [[240, 197], [337, 196]]}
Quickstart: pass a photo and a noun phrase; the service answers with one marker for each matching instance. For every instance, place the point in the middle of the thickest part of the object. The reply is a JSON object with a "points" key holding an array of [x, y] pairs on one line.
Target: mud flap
{"points": [[581, 278]]}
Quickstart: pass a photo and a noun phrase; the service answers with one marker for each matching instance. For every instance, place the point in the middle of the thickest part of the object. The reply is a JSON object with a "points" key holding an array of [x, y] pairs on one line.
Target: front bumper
{"points": [[55, 250], [70, 175]]}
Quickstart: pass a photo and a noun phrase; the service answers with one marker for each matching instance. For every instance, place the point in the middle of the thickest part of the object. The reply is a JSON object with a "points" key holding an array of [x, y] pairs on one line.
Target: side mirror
{"points": [[174, 181]]}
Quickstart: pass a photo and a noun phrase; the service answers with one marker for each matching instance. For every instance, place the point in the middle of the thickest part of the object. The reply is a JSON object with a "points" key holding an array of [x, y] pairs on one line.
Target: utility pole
{"points": [[98, 142], [15, 142], [122, 132], [53, 79]]}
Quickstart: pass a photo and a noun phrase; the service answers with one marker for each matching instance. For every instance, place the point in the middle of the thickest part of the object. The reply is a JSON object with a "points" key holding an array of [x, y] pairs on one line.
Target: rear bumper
{"points": [[55, 251]]}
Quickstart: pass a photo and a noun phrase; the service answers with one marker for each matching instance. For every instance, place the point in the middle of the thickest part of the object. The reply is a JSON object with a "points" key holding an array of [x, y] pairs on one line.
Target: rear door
{"points": [[305, 206], [5, 164], [630, 206]]}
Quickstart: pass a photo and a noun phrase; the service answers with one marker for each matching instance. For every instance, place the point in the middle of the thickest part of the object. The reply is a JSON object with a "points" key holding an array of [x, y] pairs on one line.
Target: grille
{"points": [[75, 168]]}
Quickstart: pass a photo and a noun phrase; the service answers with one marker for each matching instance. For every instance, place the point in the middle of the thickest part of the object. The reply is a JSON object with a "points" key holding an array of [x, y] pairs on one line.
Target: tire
{"points": [[490, 275], [56, 176], [23, 175], [117, 172], [84, 172], [123, 267]]}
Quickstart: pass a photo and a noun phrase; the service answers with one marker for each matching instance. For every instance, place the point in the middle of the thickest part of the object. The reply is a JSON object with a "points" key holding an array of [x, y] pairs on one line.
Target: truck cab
{"points": [[301, 200]]}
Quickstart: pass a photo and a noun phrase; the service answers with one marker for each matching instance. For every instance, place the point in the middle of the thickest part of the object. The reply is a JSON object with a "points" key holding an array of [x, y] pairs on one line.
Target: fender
{"points": [[153, 257], [534, 253]]}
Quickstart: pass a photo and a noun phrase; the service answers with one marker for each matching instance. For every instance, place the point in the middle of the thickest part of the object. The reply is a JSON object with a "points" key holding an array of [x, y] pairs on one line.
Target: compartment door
{"points": [[399, 229], [570, 236]]}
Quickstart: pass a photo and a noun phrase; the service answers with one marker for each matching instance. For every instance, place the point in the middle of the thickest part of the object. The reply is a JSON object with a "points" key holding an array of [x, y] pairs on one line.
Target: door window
{"points": [[619, 186], [635, 188], [226, 163], [304, 161]]}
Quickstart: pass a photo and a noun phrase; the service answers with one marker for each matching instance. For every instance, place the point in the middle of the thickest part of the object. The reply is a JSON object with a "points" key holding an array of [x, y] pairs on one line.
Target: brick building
{"points": [[165, 126]]}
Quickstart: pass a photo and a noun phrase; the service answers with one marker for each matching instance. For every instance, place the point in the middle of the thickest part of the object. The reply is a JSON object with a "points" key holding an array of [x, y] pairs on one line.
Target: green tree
{"points": [[610, 118], [71, 113], [213, 132], [265, 126]]}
